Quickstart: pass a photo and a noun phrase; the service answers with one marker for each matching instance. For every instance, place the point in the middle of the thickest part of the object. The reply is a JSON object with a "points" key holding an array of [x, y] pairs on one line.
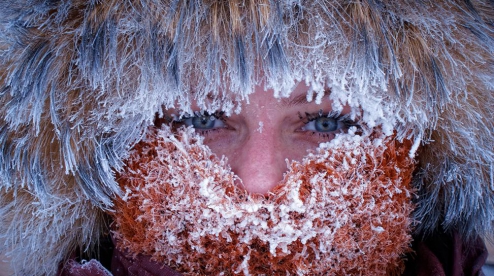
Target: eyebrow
{"points": [[300, 99]]}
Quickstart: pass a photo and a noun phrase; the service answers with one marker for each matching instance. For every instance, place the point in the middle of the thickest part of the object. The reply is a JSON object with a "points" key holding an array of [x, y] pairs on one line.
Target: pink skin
{"points": [[258, 154]]}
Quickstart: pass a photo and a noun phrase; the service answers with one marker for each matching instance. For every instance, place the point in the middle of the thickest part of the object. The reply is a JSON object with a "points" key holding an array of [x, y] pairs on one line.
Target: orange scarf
{"points": [[344, 209]]}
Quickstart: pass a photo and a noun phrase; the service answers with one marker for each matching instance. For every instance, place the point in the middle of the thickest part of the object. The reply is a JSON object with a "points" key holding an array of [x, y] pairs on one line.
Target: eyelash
{"points": [[309, 117], [218, 115], [333, 115], [306, 118]]}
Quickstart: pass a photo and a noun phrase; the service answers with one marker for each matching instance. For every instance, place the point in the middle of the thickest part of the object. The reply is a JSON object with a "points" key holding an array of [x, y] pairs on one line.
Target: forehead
{"points": [[299, 94]]}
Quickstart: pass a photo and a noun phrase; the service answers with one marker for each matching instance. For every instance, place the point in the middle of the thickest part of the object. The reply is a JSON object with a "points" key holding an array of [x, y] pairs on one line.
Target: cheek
{"points": [[223, 143], [297, 148], [291, 146]]}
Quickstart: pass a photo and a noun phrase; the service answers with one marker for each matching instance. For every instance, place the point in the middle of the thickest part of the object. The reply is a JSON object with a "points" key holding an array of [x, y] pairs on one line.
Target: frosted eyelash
{"points": [[345, 119], [218, 115]]}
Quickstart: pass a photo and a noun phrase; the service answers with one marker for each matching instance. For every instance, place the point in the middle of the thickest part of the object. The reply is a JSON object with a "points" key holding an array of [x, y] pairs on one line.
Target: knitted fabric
{"points": [[344, 209]]}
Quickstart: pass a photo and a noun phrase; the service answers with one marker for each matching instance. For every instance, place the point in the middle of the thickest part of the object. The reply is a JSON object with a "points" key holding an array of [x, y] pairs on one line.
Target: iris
{"points": [[204, 122]]}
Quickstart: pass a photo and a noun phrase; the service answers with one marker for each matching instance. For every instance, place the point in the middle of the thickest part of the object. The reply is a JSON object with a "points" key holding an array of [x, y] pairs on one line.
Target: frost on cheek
{"points": [[343, 210]]}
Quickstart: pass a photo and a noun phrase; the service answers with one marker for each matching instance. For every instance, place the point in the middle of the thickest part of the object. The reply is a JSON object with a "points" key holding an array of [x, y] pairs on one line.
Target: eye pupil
{"points": [[325, 124], [203, 122]]}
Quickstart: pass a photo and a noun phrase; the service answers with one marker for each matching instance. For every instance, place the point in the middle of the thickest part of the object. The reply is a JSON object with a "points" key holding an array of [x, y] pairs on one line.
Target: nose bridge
{"points": [[261, 145], [260, 161]]}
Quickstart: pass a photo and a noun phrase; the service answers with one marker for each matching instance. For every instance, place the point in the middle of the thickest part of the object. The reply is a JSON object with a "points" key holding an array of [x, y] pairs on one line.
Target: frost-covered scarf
{"points": [[344, 209]]}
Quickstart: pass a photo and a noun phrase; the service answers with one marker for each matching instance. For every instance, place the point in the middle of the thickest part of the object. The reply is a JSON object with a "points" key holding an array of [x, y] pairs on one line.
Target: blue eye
{"points": [[205, 122], [324, 123]]}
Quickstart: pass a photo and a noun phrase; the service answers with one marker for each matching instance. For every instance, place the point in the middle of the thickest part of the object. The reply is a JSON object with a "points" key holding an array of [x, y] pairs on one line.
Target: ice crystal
{"points": [[341, 210]]}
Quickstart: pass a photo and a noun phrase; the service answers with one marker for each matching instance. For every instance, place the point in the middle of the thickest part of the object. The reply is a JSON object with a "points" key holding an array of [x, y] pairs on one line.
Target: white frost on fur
{"points": [[415, 146], [116, 91]]}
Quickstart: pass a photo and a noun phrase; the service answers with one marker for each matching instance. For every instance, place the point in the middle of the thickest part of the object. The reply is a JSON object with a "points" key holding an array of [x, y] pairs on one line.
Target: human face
{"points": [[268, 132]]}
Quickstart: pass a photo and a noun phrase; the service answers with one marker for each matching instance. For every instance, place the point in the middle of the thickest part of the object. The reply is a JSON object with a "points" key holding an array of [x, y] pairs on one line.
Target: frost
{"points": [[91, 266], [321, 197], [100, 103], [415, 146], [261, 125], [378, 229]]}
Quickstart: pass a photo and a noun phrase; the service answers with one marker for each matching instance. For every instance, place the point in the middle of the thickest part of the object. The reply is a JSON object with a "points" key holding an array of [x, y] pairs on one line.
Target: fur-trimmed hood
{"points": [[81, 80]]}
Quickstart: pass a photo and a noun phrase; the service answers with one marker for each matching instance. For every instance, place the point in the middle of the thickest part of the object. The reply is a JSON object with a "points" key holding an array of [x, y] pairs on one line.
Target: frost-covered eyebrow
{"points": [[300, 99]]}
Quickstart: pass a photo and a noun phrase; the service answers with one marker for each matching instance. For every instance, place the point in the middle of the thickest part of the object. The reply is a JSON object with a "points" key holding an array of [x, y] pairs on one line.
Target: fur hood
{"points": [[81, 80]]}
